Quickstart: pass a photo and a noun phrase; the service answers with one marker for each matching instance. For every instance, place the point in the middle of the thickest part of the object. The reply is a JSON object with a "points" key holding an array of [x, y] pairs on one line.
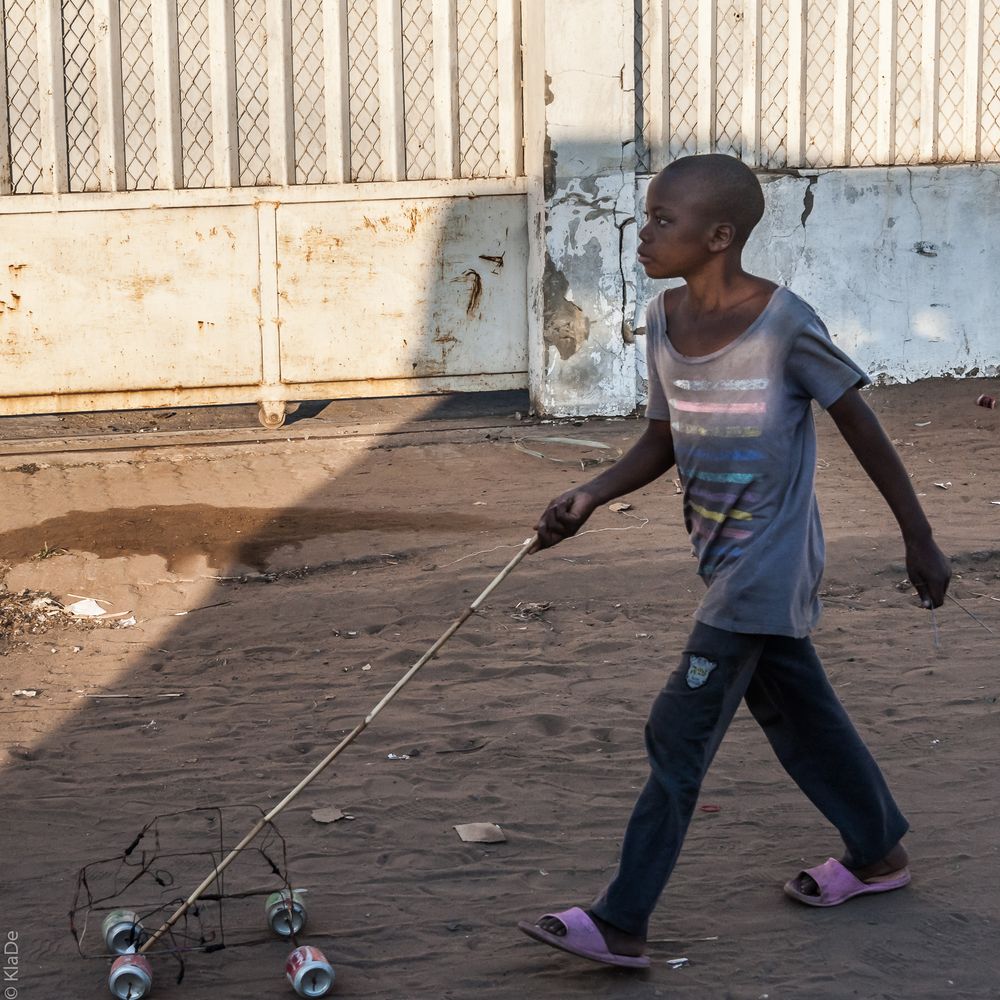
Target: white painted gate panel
{"points": [[138, 300], [168, 163], [454, 306]]}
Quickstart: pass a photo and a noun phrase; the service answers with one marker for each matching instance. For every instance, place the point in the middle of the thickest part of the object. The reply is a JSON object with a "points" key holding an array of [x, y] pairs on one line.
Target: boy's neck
{"points": [[720, 285]]}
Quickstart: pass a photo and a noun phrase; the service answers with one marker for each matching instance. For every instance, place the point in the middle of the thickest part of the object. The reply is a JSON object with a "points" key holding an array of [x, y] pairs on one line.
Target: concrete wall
{"points": [[588, 356], [900, 262]]}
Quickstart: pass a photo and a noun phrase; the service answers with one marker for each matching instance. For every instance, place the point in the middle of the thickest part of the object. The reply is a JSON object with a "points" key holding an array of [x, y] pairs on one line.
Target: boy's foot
{"points": [[835, 881], [583, 933]]}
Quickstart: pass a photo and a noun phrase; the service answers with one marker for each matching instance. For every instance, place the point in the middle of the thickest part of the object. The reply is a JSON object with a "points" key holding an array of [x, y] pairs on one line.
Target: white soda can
{"points": [[122, 931], [131, 977], [286, 912], [310, 974]]}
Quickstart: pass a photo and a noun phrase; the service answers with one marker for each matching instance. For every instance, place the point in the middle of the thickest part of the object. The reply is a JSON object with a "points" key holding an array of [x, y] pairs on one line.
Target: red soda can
{"points": [[131, 977], [988, 401], [310, 974]]}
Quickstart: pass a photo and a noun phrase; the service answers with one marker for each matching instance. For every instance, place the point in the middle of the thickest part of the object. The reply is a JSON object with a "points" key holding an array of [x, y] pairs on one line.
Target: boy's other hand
{"points": [[929, 571], [563, 518]]}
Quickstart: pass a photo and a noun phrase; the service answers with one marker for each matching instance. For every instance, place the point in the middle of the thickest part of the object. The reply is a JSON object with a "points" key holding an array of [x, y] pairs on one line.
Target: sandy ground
{"points": [[316, 564]]}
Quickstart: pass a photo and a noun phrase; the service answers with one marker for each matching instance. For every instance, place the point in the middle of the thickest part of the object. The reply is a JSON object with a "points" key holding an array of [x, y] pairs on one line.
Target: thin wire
{"points": [[481, 552], [590, 531], [935, 631], [970, 614]]}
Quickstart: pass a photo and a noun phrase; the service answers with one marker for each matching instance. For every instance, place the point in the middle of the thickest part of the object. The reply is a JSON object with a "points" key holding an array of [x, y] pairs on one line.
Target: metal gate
{"points": [[207, 201]]}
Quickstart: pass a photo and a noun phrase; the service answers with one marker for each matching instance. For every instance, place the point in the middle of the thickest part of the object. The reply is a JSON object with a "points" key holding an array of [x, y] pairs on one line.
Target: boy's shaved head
{"points": [[726, 188]]}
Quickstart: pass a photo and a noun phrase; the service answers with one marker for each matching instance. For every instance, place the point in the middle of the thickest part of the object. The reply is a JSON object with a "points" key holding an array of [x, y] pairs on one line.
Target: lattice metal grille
{"points": [[682, 80], [909, 22], [22, 97], [308, 92], [81, 95], [951, 84], [418, 87], [362, 54], [138, 93], [774, 83], [864, 102], [683, 83], [991, 81], [251, 92], [820, 20], [729, 63], [196, 93], [644, 158], [478, 93]]}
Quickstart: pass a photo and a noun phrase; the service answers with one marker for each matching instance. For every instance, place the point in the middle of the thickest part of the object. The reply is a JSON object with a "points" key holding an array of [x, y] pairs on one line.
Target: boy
{"points": [[734, 364]]}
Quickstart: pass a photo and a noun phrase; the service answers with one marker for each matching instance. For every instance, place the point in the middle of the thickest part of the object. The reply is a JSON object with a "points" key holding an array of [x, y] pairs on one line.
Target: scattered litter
{"points": [[678, 487], [619, 508], [464, 746], [403, 756], [988, 401], [944, 486], [331, 814], [168, 694], [26, 693], [584, 461], [677, 963], [642, 635], [125, 622], [481, 833], [995, 502], [149, 725], [87, 608], [479, 503], [925, 423], [710, 808], [527, 611], [367, 666]]}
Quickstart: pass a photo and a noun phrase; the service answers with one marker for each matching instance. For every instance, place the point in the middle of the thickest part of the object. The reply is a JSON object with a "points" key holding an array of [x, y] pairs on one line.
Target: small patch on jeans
{"points": [[698, 670]]}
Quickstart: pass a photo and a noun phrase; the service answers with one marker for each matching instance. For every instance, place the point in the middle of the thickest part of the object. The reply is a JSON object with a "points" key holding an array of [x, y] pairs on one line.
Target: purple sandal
{"points": [[838, 884], [582, 938]]}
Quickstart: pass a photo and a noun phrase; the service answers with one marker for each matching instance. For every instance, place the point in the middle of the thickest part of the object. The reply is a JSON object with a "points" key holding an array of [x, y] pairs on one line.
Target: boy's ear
{"points": [[722, 237]]}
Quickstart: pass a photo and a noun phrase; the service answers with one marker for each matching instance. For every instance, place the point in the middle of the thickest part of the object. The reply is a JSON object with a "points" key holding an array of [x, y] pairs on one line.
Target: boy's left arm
{"points": [[926, 565]]}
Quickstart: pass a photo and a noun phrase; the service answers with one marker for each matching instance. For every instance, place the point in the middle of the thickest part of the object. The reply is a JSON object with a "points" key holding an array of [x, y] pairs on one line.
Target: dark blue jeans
{"points": [[787, 691]]}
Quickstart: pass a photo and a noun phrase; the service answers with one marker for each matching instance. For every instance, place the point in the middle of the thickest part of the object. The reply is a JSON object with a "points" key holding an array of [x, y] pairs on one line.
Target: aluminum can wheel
{"points": [[122, 931], [286, 912], [131, 977], [310, 974]]}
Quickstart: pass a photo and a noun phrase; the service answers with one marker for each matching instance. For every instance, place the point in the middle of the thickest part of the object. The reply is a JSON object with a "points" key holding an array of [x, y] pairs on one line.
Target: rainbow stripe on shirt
{"points": [[714, 423]]}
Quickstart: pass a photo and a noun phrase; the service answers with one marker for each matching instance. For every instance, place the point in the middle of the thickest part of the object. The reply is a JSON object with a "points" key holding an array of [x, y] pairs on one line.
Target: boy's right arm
{"points": [[646, 460]]}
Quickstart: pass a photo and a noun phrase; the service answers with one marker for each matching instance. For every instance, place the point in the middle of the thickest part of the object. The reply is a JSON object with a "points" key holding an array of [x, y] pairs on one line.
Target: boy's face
{"points": [[676, 237]]}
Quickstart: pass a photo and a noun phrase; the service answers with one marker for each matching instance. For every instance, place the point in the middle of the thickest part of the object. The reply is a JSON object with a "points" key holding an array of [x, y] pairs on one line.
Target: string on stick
{"points": [[337, 750]]}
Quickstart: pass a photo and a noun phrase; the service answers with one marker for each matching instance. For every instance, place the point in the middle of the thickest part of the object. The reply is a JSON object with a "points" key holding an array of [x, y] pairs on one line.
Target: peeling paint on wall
{"points": [[566, 326], [897, 261]]}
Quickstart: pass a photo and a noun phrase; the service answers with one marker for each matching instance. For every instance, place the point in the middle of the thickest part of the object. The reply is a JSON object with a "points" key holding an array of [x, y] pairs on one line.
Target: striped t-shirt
{"points": [[745, 446]]}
